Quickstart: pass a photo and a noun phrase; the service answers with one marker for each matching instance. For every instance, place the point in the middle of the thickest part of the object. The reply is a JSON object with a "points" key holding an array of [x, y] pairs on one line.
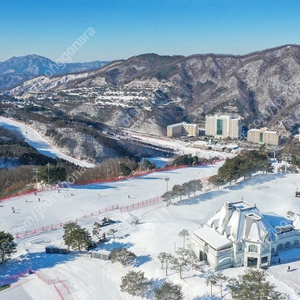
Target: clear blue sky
{"points": [[125, 28]]}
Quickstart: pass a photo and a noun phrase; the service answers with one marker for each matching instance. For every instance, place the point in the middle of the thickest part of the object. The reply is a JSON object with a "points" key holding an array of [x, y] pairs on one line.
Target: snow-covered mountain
{"points": [[148, 92], [16, 70]]}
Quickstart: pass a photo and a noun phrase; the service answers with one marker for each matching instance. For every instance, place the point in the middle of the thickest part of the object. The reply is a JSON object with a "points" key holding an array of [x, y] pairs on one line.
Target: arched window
{"points": [[280, 247], [225, 261], [252, 248], [287, 245], [297, 242]]}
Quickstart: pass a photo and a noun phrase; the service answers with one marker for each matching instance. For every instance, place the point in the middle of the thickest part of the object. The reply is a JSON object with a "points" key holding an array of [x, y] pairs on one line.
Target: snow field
{"points": [[157, 232]]}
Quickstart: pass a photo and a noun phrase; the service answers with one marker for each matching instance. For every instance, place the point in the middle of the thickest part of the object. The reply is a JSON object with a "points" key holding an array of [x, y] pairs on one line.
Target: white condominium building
{"points": [[182, 128], [263, 135], [223, 126]]}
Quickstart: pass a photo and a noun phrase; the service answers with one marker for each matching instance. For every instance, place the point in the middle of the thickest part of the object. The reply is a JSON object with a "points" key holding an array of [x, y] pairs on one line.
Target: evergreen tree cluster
{"points": [[123, 256], [185, 160], [253, 285], [243, 165], [76, 237]]}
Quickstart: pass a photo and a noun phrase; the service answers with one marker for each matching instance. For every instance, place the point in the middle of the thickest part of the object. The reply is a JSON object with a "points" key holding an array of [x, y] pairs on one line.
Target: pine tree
{"points": [[96, 230], [186, 189], [185, 259], [134, 283], [195, 185], [178, 190], [162, 258], [168, 291], [69, 229], [166, 258], [184, 233], [220, 278], [211, 280], [112, 232], [7, 246], [253, 285], [216, 180], [76, 237], [168, 196], [123, 256]]}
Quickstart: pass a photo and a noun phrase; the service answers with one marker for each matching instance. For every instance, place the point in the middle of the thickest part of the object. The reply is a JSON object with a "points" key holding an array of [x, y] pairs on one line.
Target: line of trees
{"points": [[184, 189], [243, 165]]}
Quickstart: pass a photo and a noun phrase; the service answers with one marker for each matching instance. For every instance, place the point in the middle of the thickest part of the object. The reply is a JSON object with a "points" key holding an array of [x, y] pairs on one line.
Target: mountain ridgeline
{"points": [[16, 70], [148, 92]]}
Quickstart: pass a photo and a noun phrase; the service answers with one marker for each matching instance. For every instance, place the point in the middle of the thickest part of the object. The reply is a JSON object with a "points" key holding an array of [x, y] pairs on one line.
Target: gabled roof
{"points": [[241, 221]]}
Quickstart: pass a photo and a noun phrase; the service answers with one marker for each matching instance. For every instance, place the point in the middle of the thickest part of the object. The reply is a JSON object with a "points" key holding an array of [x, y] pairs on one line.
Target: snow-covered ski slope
{"points": [[81, 277], [33, 138]]}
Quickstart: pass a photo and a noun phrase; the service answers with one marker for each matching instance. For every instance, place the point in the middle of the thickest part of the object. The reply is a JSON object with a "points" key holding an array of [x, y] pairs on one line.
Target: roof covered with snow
{"points": [[213, 238], [241, 221]]}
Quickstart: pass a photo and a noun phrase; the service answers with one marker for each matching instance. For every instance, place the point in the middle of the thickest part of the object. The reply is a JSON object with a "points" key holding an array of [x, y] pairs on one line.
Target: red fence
{"points": [[140, 204], [91, 215], [29, 191], [13, 278], [99, 212], [56, 281]]}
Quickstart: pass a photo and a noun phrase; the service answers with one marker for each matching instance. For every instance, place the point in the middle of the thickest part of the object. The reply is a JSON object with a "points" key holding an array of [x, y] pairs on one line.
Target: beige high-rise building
{"points": [[263, 135], [223, 126], [182, 129]]}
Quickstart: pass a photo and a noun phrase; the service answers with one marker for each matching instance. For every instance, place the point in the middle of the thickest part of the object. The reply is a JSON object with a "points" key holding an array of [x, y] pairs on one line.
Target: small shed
{"points": [[101, 254], [56, 250]]}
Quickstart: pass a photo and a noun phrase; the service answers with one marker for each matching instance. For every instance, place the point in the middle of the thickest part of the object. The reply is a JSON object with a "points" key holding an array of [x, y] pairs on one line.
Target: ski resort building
{"points": [[223, 126], [263, 135], [239, 235], [183, 128]]}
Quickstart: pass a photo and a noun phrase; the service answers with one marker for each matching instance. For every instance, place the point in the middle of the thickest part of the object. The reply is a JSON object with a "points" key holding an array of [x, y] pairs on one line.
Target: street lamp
{"points": [[167, 180]]}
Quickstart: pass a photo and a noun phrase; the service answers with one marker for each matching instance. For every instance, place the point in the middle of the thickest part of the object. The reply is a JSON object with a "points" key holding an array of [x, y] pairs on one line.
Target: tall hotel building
{"points": [[223, 126]]}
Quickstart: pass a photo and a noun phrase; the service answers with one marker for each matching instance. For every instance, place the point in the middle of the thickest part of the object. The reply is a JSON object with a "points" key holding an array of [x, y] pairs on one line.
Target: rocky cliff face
{"points": [[148, 92]]}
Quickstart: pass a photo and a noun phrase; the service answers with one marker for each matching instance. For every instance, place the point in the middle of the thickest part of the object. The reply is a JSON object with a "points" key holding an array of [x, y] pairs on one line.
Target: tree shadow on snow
{"points": [[12, 270], [142, 260], [154, 283], [115, 245], [255, 180], [93, 186], [149, 177], [203, 197], [124, 236]]}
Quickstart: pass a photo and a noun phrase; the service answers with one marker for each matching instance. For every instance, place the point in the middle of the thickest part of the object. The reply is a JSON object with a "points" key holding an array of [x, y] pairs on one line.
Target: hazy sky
{"points": [[125, 28]]}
